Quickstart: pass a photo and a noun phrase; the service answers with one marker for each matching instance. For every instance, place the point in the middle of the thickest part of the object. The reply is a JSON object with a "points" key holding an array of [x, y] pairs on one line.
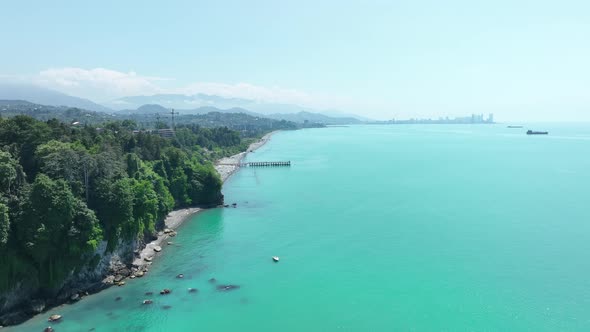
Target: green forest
{"points": [[64, 189]]}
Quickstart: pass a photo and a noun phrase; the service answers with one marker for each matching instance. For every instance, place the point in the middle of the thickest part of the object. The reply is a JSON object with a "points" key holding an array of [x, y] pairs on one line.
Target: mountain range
{"points": [[39, 95], [183, 104]]}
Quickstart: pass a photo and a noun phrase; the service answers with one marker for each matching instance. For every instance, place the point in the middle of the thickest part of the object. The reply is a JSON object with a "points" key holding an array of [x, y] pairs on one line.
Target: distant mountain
{"points": [[302, 117], [39, 95], [199, 101], [178, 101], [163, 111], [66, 114]]}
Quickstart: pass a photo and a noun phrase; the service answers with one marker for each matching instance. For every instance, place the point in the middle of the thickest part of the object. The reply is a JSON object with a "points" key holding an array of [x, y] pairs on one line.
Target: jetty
{"points": [[259, 164]]}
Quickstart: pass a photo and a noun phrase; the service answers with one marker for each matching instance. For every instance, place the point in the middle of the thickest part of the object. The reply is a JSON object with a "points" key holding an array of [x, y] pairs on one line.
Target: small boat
{"points": [[531, 132], [275, 258], [514, 127], [54, 318]]}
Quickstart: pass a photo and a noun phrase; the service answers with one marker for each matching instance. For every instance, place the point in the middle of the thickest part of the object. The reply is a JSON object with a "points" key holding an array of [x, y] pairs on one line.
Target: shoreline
{"points": [[143, 258], [226, 171], [175, 218]]}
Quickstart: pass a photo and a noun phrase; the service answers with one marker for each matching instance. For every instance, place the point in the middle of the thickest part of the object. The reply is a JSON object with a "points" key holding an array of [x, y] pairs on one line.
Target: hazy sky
{"points": [[519, 59]]}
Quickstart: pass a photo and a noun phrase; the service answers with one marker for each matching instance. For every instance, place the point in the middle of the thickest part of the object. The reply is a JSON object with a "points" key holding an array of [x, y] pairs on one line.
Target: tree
{"points": [[59, 160], [11, 173], [114, 208], [4, 225], [46, 218], [145, 207]]}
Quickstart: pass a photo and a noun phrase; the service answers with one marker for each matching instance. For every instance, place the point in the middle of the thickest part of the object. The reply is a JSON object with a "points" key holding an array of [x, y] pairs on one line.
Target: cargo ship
{"points": [[532, 132]]}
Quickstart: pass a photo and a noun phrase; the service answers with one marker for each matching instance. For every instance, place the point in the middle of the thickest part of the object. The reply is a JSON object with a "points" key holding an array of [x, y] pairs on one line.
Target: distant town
{"points": [[473, 119]]}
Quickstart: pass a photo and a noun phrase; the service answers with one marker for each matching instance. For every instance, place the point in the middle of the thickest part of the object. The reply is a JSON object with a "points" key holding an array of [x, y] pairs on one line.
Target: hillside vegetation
{"points": [[66, 190]]}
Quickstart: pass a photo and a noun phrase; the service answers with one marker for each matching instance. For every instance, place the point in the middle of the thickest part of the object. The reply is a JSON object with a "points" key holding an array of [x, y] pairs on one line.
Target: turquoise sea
{"points": [[379, 228]]}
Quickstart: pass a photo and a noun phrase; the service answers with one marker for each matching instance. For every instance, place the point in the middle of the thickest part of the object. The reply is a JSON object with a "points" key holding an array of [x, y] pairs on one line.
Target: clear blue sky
{"points": [[518, 59]]}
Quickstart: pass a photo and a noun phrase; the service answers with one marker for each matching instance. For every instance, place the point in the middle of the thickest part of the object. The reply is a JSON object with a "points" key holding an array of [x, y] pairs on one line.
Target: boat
{"points": [[514, 127], [275, 258], [54, 318], [531, 132]]}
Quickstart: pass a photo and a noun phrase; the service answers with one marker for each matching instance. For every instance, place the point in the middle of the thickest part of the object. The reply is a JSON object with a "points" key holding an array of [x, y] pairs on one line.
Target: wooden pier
{"points": [[260, 164], [266, 163]]}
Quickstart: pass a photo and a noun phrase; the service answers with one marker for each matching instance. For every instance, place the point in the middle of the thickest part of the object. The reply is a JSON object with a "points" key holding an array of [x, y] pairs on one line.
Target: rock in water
{"points": [[180, 276], [227, 287], [48, 329], [147, 302], [165, 291], [192, 290]]}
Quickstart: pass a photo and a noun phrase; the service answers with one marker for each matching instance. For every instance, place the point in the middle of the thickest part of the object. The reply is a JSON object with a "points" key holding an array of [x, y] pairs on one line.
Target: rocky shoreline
{"points": [[223, 166], [143, 258], [128, 261]]}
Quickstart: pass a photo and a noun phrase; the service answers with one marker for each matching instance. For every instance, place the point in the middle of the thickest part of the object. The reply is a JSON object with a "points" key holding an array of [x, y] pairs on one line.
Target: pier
{"points": [[266, 163], [260, 164]]}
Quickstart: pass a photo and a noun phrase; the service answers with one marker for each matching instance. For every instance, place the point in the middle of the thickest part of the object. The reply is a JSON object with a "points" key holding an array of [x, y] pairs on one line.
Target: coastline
{"points": [[143, 256], [225, 171], [175, 218]]}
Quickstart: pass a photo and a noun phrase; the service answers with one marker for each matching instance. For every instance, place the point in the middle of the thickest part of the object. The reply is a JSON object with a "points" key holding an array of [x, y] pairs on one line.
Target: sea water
{"points": [[378, 228]]}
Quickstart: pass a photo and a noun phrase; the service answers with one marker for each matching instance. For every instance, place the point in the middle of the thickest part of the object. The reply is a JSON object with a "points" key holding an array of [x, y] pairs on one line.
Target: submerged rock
{"points": [[192, 290], [227, 287], [166, 307], [118, 298], [149, 293], [180, 276], [165, 291], [147, 302], [212, 280]]}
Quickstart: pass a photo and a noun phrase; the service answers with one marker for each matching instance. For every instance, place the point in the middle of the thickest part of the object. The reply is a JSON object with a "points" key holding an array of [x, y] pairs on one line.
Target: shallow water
{"points": [[381, 228]]}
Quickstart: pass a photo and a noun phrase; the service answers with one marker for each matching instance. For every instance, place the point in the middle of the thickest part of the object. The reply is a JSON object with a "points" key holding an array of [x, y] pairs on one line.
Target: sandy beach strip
{"points": [[175, 218], [225, 170]]}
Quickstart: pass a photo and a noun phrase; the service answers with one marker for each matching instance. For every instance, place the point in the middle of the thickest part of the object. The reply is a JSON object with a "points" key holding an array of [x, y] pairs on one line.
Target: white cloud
{"points": [[249, 91], [97, 83], [100, 84]]}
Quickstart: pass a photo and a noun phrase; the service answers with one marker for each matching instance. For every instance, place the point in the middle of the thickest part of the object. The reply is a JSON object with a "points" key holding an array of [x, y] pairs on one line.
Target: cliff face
{"points": [[25, 300]]}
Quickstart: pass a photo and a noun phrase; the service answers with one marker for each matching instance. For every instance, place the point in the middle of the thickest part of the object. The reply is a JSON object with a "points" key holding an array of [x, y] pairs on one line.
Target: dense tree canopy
{"points": [[64, 189]]}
